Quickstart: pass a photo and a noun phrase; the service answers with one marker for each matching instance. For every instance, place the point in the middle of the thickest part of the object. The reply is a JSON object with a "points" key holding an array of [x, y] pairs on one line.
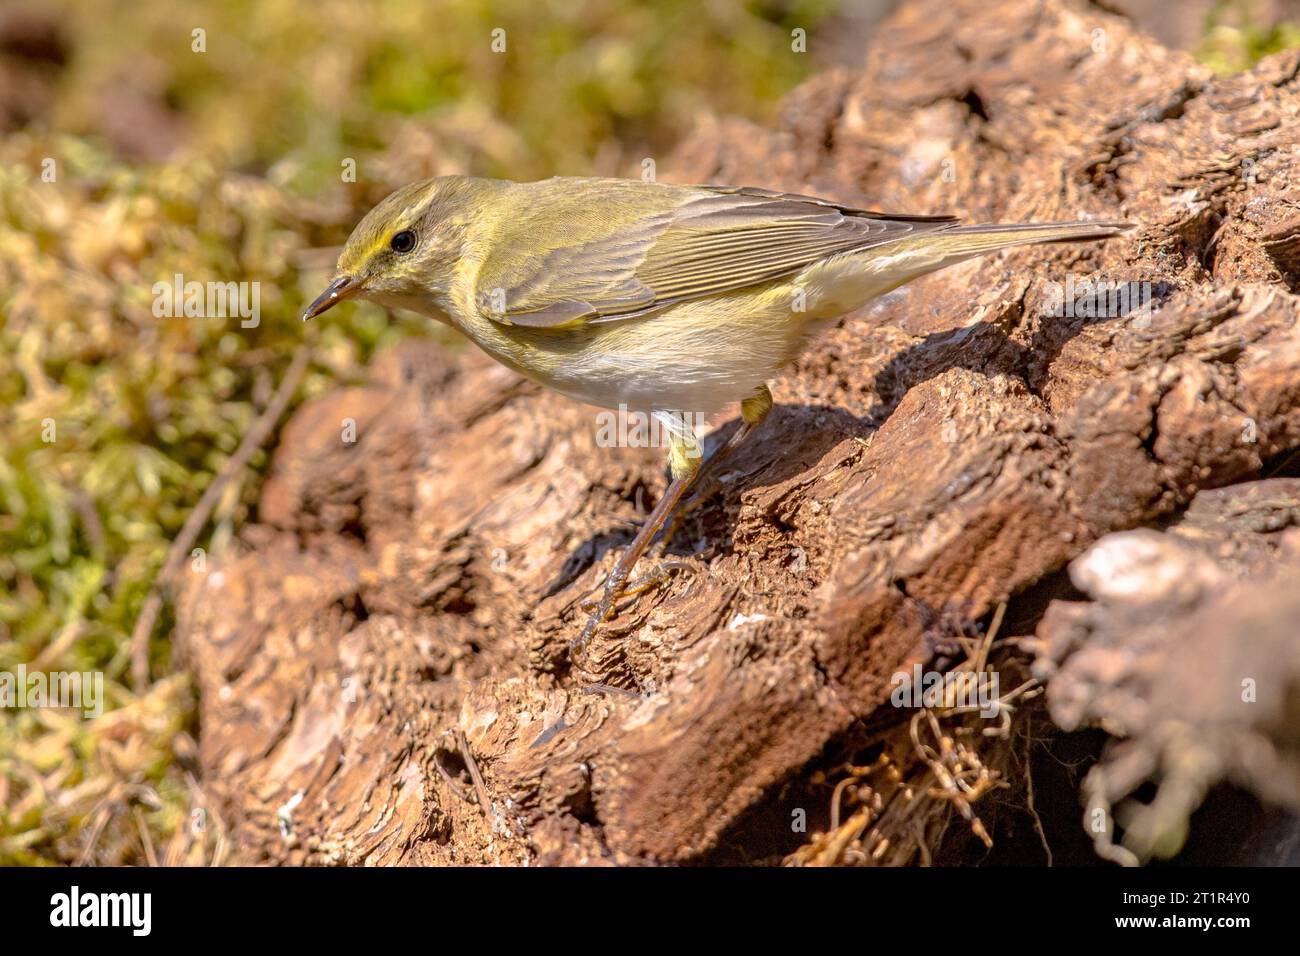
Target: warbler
{"points": [[668, 300]]}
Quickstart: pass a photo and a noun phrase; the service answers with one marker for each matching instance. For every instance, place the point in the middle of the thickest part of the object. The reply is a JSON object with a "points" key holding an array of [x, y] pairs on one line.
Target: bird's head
{"points": [[404, 252]]}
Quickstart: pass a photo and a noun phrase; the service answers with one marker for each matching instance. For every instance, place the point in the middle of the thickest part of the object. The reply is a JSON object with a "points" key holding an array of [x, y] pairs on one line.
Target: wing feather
{"points": [[714, 240]]}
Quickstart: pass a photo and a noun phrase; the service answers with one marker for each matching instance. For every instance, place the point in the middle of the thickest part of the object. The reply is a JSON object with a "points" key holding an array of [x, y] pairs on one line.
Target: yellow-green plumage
{"points": [[653, 296]]}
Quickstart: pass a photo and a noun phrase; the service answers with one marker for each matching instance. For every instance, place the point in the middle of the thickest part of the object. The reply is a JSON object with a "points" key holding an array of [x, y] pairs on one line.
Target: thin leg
{"points": [[660, 573], [618, 577], [753, 411], [684, 462]]}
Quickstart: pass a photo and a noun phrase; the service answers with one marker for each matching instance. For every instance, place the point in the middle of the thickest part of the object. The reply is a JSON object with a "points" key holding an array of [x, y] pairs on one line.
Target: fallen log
{"points": [[382, 656]]}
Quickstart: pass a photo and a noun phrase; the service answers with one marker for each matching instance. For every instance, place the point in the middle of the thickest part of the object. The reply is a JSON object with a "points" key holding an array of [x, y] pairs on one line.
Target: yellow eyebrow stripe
{"points": [[412, 215], [381, 243]]}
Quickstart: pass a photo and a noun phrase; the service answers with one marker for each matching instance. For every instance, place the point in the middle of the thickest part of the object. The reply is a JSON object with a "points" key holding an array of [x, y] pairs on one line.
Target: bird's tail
{"points": [[966, 241], [859, 277], [892, 264], [991, 237]]}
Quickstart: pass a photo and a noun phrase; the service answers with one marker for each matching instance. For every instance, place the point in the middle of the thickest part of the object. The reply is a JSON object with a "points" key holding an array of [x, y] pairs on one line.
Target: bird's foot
{"points": [[658, 575], [615, 590], [610, 690], [600, 614]]}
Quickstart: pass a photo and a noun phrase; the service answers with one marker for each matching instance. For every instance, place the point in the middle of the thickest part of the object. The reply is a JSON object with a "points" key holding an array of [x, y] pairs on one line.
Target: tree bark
{"points": [[382, 657]]}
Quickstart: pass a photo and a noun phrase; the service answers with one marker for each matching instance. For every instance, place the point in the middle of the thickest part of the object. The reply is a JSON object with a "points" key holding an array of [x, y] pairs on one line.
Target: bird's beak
{"points": [[343, 287]]}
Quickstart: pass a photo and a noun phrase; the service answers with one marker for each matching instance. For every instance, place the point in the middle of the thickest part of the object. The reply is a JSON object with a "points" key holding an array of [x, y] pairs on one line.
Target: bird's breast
{"points": [[694, 357]]}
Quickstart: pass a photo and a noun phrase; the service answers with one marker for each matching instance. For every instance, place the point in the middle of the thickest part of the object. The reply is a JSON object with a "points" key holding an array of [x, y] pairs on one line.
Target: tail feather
{"points": [[892, 264], [938, 248], [974, 240]]}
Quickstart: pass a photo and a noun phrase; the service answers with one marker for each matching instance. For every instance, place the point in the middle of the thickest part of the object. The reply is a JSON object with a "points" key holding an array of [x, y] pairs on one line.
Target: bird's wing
{"points": [[710, 240]]}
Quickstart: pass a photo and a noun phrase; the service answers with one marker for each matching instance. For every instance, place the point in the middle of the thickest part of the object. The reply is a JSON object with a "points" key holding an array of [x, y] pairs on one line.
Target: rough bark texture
{"points": [[386, 648], [1189, 653]]}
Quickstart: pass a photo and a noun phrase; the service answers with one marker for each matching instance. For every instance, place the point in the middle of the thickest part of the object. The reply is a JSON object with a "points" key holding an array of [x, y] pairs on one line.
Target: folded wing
{"points": [[718, 239]]}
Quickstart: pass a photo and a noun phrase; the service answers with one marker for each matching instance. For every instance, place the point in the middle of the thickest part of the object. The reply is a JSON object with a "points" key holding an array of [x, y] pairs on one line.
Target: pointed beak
{"points": [[343, 287]]}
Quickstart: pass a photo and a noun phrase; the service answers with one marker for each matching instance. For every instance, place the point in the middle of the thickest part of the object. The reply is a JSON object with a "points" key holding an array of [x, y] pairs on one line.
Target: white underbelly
{"points": [[688, 362], [697, 357]]}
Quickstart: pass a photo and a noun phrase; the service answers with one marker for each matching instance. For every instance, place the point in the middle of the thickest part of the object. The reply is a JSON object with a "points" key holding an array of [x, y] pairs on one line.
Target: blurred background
{"points": [[218, 139]]}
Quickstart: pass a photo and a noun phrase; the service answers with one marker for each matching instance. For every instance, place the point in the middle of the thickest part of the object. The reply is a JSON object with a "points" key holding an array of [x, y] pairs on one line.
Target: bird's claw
{"points": [[603, 609]]}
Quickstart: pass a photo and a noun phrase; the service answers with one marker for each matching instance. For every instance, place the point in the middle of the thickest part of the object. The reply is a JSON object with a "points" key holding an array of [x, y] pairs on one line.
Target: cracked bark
{"points": [[934, 455]]}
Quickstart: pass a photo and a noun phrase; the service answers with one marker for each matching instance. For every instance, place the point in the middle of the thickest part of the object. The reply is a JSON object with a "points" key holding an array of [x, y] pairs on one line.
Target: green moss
{"points": [[113, 420], [1234, 40]]}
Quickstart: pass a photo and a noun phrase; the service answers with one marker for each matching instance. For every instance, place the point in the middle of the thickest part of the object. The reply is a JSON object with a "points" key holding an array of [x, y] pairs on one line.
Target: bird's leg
{"points": [[656, 576], [683, 459], [753, 411]]}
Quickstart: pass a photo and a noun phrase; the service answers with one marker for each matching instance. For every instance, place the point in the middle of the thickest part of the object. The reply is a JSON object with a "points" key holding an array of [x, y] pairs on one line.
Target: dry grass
{"points": [[933, 769]]}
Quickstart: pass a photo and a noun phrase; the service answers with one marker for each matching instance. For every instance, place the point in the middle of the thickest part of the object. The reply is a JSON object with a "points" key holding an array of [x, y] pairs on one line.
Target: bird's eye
{"points": [[403, 241]]}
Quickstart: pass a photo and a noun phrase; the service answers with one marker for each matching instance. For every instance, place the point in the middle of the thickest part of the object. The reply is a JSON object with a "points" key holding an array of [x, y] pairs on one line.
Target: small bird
{"points": [[671, 301]]}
